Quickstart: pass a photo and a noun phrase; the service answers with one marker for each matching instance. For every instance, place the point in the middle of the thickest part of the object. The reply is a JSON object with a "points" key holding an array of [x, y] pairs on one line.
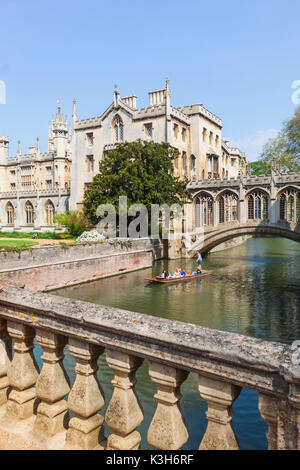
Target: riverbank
{"points": [[60, 265]]}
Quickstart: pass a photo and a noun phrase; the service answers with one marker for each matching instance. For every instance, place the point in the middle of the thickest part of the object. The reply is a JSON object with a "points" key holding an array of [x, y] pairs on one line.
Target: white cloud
{"points": [[252, 144]]}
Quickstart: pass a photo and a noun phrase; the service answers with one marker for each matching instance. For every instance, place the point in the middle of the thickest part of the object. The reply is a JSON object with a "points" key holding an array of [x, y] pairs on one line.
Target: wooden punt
{"points": [[189, 277]]}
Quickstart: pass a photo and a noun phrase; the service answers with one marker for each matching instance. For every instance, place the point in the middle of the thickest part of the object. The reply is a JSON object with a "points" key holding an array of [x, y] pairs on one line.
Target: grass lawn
{"points": [[4, 243], [41, 235]]}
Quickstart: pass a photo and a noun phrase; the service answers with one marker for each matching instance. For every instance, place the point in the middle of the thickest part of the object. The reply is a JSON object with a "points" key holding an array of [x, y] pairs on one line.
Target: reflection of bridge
{"points": [[226, 209]]}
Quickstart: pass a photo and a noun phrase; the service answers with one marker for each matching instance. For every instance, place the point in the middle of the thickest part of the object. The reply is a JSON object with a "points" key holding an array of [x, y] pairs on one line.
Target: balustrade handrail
{"points": [[261, 365], [224, 362]]}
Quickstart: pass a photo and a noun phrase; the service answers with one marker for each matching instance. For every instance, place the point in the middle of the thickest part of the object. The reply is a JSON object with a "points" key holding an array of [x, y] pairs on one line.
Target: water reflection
{"points": [[254, 290]]}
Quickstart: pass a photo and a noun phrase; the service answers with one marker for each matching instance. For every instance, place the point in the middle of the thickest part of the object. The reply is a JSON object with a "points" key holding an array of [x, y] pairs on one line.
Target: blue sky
{"points": [[238, 58]]}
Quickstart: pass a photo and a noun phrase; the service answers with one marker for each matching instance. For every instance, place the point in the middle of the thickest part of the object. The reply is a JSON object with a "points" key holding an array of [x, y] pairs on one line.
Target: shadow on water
{"points": [[254, 291]]}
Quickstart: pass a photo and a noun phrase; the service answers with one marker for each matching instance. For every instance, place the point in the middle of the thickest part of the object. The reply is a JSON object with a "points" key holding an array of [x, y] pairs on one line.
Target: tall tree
{"points": [[285, 147], [141, 170], [260, 168]]}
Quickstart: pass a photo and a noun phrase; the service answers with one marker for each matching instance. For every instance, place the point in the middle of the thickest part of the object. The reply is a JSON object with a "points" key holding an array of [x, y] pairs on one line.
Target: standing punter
{"points": [[199, 261]]}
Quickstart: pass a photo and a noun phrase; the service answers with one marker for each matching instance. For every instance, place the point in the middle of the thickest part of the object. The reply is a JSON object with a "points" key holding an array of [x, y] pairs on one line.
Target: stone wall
{"points": [[51, 267]]}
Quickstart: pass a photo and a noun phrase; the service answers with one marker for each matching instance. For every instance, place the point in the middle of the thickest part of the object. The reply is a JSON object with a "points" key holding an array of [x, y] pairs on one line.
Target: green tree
{"points": [[143, 171], [75, 221], [260, 168], [285, 147]]}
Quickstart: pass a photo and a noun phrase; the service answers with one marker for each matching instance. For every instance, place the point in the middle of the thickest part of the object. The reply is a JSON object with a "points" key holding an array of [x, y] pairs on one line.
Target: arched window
{"points": [[50, 212], [184, 164], [228, 207], [290, 205], [10, 213], [258, 206], [204, 213], [118, 129], [29, 213]]}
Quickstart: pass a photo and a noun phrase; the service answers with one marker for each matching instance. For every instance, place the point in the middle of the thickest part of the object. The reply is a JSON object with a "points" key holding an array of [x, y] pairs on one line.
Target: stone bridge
{"points": [[225, 209]]}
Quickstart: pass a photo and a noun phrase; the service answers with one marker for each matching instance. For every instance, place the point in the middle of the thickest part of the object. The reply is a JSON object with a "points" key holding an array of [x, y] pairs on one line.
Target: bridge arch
{"points": [[211, 240], [258, 188], [288, 186]]}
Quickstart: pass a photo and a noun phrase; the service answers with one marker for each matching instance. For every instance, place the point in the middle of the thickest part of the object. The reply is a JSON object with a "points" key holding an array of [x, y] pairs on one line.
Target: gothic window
{"points": [[204, 210], [184, 164], [118, 129], [50, 212], [258, 206], [148, 130], [193, 162], [29, 213], [204, 134], [176, 131], [290, 205], [90, 163], [10, 214], [90, 138], [228, 207]]}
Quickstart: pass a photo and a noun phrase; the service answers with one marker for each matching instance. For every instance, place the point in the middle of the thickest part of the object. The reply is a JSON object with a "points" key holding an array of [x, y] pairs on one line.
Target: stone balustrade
{"points": [[53, 413]]}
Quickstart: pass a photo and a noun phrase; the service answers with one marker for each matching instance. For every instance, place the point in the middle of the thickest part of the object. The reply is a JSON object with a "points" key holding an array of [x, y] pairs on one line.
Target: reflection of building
{"points": [[193, 130], [35, 186]]}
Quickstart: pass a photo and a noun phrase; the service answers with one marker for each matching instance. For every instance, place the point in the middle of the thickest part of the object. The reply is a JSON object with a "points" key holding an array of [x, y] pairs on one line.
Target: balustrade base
{"points": [[86, 434], [51, 418], [130, 442], [21, 404], [4, 387], [219, 438]]}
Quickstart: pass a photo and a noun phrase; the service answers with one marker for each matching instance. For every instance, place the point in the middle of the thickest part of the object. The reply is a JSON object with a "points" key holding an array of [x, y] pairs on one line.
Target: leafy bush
{"points": [[75, 222]]}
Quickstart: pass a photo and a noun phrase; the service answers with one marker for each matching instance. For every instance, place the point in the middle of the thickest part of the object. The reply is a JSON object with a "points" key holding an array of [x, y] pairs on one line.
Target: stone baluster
{"points": [[86, 398], [124, 413], [219, 396], [288, 431], [22, 372], [168, 430], [5, 358], [267, 406], [52, 385]]}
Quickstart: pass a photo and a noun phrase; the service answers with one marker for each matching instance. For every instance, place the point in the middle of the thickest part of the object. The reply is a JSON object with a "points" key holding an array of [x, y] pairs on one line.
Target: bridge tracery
{"points": [[204, 210], [289, 204], [228, 207], [258, 205]]}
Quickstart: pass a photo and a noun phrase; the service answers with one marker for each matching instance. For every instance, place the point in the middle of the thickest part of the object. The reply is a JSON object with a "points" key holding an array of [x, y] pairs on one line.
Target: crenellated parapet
{"points": [[223, 362]]}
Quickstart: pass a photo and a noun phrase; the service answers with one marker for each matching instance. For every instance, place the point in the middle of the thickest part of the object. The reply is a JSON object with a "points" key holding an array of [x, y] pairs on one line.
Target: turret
{"points": [[60, 133], [116, 96], [3, 149], [74, 113]]}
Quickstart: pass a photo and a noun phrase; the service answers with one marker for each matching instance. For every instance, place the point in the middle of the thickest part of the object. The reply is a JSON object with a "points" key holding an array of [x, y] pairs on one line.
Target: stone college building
{"points": [[35, 186]]}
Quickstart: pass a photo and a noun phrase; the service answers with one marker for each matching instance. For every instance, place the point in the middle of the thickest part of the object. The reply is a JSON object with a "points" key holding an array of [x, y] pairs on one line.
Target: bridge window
{"points": [[228, 207], [258, 206], [290, 205], [204, 214]]}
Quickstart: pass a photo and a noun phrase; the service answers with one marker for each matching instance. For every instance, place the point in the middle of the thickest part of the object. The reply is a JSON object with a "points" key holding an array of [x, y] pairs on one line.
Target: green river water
{"points": [[254, 290]]}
